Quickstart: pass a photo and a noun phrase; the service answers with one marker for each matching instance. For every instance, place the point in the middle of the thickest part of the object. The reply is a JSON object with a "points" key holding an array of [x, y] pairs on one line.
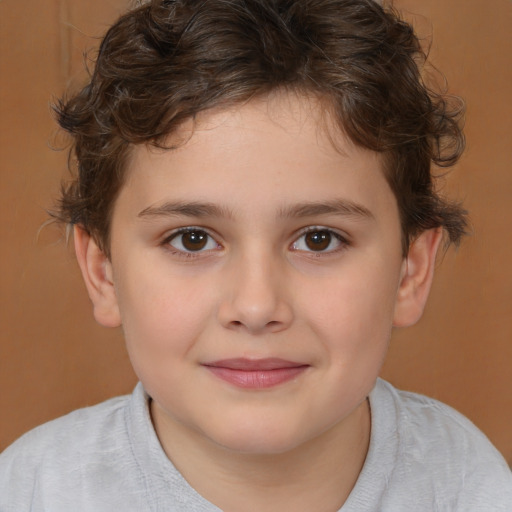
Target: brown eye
{"points": [[318, 240], [192, 240]]}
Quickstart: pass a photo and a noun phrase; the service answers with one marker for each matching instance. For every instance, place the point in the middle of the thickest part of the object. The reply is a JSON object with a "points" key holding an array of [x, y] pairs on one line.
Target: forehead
{"points": [[280, 149], [294, 115]]}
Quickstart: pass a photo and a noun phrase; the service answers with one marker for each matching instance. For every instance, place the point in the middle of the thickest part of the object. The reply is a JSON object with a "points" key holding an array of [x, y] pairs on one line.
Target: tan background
{"points": [[53, 358]]}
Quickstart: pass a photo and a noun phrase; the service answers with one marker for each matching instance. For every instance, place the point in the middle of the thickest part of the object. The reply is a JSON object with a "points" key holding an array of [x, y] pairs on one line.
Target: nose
{"points": [[255, 296]]}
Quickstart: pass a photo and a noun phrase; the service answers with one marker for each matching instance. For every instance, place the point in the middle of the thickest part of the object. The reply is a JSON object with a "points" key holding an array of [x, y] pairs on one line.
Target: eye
{"points": [[190, 240], [319, 240]]}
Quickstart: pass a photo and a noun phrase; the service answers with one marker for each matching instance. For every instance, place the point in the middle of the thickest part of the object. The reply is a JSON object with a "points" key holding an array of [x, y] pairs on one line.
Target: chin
{"points": [[258, 439]]}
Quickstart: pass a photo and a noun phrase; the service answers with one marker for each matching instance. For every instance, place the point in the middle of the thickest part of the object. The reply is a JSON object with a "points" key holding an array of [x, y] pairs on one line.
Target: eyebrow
{"points": [[187, 209], [340, 207]]}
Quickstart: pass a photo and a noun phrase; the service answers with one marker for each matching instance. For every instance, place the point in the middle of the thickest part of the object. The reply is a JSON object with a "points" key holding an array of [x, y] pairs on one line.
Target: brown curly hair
{"points": [[167, 60]]}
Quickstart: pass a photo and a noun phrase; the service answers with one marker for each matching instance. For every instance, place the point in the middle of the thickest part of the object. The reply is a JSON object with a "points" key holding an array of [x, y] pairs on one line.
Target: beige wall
{"points": [[53, 358]]}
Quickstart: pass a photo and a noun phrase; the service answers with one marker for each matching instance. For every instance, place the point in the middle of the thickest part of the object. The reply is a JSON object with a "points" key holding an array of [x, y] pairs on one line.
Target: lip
{"points": [[256, 373]]}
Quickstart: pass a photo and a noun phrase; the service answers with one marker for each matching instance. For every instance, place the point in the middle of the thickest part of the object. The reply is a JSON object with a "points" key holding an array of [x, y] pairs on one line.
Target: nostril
{"points": [[255, 315], [272, 325]]}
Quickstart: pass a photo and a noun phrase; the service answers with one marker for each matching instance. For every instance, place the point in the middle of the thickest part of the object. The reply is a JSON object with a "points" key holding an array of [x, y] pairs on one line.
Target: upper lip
{"points": [[244, 364]]}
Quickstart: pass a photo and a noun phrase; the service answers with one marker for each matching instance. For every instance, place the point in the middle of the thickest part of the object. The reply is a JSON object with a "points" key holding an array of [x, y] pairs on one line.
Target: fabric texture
{"points": [[423, 456]]}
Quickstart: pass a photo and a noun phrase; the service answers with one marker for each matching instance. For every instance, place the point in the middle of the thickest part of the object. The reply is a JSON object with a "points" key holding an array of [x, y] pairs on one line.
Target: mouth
{"points": [[256, 373]]}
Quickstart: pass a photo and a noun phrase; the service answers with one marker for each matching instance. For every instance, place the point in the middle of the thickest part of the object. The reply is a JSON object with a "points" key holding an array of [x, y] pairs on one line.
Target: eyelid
{"points": [[342, 238], [166, 241]]}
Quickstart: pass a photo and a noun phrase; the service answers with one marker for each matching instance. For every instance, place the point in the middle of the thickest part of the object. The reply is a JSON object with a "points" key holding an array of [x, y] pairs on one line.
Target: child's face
{"points": [[256, 246]]}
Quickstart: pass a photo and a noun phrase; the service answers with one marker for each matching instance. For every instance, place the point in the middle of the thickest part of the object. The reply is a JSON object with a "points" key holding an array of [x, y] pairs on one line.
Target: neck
{"points": [[317, 475]]}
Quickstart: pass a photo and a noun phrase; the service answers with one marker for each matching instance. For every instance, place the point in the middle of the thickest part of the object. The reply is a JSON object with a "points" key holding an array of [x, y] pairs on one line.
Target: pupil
{"points": [[194, 240], [318, 240]]}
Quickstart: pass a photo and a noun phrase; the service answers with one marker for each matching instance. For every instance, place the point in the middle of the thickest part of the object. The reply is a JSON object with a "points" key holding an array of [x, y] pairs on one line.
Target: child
{"points": [[254, 206]]}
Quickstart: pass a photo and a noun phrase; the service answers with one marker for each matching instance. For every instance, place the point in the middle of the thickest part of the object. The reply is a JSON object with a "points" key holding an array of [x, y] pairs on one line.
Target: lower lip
{"points": [[257, 379]]}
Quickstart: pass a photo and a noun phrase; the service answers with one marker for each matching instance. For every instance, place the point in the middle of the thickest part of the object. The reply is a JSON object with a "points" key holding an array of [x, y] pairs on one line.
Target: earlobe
{"points": [[416, 279], [97, 273]]}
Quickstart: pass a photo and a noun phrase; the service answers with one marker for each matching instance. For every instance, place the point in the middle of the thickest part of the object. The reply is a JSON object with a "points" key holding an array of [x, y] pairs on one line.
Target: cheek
{"points": [[354, 311], [162, 318]]}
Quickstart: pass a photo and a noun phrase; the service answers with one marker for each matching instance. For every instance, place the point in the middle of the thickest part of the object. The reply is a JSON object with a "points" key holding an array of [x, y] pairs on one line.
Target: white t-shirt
{"points": [[423, 457]]}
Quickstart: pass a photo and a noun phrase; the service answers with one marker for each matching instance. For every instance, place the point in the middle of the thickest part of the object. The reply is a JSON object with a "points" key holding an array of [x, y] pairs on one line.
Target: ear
{"points": [[416, 278], [97, 273]]}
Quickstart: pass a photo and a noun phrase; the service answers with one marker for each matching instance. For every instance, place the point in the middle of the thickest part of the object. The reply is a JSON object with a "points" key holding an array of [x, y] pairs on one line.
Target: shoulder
{"points": [[441, 450], [433, 425], [71, 430], [56, 455]]}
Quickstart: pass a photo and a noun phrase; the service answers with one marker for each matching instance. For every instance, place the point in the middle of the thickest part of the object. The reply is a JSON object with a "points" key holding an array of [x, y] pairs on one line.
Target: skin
{"points": [[262, 175]]}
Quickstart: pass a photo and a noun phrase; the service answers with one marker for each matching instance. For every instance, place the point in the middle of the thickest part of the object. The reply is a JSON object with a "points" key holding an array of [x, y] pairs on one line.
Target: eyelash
{"points": [[333, 235], [183, 231]]}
